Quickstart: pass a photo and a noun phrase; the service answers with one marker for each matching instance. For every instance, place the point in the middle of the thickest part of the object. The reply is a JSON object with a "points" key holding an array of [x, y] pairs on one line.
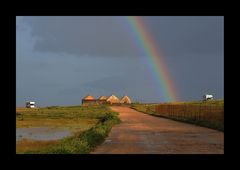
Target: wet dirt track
{"points": [[139, 133]]}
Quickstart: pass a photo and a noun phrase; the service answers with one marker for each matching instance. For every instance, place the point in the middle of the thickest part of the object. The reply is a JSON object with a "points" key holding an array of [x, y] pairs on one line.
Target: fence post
{"points": [[200, 111]]}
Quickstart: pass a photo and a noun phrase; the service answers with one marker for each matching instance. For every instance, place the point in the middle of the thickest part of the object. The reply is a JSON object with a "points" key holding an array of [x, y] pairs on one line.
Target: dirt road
{"points": [[139, 133]]}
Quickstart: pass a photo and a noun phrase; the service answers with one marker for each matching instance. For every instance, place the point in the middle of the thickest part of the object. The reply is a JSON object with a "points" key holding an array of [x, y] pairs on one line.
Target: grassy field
{"points": [[89, 124], [208, 114], [219, 102], [145, 108]]}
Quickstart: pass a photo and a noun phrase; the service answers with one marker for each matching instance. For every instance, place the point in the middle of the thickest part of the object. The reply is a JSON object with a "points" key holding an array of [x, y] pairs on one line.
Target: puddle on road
{"points": [[41, 133]]}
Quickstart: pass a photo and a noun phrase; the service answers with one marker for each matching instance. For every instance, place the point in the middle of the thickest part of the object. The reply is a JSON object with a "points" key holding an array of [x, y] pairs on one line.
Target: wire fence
{"points": [[201, 112]]}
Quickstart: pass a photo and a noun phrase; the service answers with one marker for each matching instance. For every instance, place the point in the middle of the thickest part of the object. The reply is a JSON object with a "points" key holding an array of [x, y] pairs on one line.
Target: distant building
{"points": [[102, 100], [89, 100], [125, 100], [112, 99], [30, 104]]}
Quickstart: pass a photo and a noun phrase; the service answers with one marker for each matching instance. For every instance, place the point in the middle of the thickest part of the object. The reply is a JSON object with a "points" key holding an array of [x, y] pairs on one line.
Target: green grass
{"points": [[70, 112], [219, 102], [145, 108], [83, 141], [59, 116]]}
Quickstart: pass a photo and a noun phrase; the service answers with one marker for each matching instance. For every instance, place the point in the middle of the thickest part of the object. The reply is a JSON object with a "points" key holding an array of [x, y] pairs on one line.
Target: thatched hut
{"points": [[126, 100], [88, 100], [112, 99], [102, 100]]}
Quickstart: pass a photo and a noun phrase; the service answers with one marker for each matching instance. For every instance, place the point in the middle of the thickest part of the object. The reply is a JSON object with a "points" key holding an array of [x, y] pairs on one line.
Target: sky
{"points": [[61, 59]]}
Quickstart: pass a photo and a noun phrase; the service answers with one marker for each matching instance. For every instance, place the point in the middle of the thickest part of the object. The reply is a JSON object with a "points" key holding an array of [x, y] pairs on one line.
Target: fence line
{"points": [[194, 112]]}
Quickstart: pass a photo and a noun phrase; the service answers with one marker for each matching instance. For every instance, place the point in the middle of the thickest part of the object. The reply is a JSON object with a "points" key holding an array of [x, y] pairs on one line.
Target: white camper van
{"points": [[207, 97], [30, 105]]}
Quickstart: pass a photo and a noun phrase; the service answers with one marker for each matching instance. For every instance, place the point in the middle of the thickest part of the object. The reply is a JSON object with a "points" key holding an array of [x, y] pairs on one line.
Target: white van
{"points": [[30, 104], [207, 97]]}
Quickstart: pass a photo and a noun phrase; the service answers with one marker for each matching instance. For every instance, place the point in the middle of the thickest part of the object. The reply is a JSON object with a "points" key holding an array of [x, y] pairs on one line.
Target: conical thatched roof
{"points": [[88, 97], [125, 99], [102, 98], [113, 99]]}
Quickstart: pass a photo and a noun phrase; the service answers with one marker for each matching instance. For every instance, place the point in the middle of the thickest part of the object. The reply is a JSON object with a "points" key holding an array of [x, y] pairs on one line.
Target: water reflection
{"points": [[41, 133]]}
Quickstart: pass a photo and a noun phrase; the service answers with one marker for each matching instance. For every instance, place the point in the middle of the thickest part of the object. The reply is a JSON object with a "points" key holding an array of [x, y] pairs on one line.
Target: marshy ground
{"points": [[73, 129]]}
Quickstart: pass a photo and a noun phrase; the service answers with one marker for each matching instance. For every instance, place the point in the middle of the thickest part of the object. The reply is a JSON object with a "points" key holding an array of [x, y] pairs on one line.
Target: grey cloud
{"points": [[178, 35], [93, 36]]}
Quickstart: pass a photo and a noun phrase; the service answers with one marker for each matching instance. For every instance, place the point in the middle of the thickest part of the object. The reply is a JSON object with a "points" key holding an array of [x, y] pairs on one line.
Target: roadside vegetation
{"points": [[145, 108], [88, 124], [219, 102], [203, 113]]}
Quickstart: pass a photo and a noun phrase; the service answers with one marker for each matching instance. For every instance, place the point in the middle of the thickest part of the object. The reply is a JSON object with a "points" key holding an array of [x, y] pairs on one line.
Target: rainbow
{"points": [[152, 57]]}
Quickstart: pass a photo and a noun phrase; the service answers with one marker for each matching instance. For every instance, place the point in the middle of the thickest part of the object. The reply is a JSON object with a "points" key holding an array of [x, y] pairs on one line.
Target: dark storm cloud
{"points": [[178, 36], [109, 36], [93, 36]]}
